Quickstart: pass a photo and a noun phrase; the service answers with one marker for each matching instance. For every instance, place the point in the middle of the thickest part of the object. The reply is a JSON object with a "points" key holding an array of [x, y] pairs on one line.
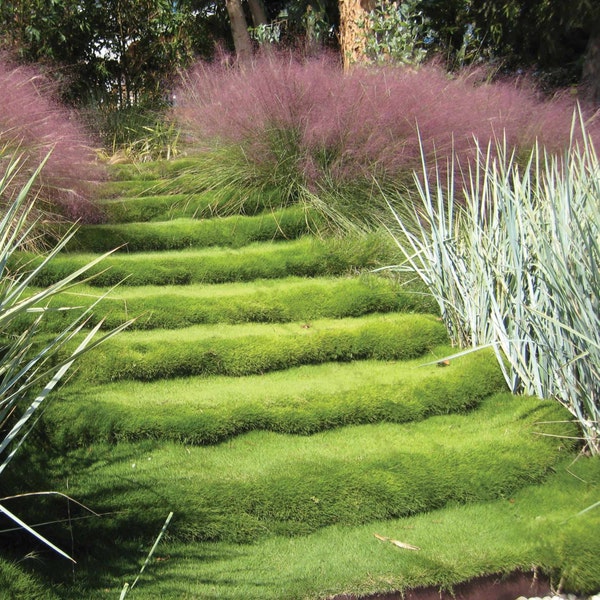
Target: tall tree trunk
{"points": [[239, 30], [353, 37], [257, 10], [591, 68]]}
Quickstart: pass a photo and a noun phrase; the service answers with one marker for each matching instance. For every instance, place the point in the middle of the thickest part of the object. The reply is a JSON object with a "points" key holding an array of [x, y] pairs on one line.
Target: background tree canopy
{"points": [[125, 52]]}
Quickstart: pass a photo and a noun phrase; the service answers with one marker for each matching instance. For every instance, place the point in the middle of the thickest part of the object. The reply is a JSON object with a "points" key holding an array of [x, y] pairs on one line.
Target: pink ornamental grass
{"points": [[33, 124], [352, 126]]}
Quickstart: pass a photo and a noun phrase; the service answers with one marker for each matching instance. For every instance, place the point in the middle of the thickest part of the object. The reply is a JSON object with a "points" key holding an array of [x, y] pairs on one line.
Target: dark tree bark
{"points": [[239, 30], [257, 10], [591, 68]]}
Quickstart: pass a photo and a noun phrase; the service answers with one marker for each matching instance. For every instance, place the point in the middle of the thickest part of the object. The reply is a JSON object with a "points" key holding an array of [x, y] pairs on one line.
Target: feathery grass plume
{"points": [[32, 363], [297, 124], [34, 123], [517, 267]]}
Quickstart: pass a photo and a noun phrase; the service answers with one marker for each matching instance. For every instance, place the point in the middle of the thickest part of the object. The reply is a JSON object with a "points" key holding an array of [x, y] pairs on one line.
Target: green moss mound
{"points": [[264, 484], [305, 257], [261, 301], [304, 400], [258, 348], [233, 232]]}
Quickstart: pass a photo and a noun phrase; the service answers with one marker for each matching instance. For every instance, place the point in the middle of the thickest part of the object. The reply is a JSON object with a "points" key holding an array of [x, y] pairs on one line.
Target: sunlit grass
{"points": [[301, 400], [307, 257]]}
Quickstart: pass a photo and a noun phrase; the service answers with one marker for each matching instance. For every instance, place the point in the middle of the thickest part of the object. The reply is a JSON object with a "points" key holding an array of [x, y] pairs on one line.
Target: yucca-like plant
{"points": [[514, 264], [30, 366]]}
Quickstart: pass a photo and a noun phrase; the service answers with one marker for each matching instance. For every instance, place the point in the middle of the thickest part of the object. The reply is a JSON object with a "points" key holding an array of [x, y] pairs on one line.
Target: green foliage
{"points": [[141, 45], [208, 411], [517, 268], [540, 33], [31, 364], [396, 32], [258, 348]]}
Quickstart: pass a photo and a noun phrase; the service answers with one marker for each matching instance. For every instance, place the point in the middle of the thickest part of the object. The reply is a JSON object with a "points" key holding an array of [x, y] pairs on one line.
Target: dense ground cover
{"points": [[272, 392], [329, 441]]}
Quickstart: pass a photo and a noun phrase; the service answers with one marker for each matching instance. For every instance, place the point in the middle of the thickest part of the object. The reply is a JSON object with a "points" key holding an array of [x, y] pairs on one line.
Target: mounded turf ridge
{"points": [[305, 257], [263, 484], [238, 350], [303, 400], [234, 232], [534, 528], [195, 206], [261, 301]]}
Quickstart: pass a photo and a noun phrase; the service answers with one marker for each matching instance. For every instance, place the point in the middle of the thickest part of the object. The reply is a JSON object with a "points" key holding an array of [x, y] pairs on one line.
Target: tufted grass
{"points": [[302, 400], [247, 349], [306, 257]]}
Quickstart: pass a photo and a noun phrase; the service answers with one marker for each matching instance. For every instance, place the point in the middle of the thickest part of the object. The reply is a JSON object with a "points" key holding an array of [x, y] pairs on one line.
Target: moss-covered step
{"points": [[234, 232], [238, 350], [302, 400], [264, 484], [305, 257]]}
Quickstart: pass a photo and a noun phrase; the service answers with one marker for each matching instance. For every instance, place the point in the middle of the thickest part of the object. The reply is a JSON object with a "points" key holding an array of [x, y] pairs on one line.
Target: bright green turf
{"points": [[254, 348], [260, 301], [302, 400], [176, 206], [384, 442], [235, 232], [534, 527], [306, 257], [262, 483]]}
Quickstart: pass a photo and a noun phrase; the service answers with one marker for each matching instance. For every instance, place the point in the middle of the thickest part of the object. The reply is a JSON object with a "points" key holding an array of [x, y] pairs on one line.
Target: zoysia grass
{"points": [[517, 267]]}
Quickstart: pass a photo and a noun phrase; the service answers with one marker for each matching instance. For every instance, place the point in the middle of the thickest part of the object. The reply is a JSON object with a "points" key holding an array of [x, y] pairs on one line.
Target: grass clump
{"points": [[206, 411], [258, 348], [34, 125], [302, 124], [192, 206], [517, 268]]}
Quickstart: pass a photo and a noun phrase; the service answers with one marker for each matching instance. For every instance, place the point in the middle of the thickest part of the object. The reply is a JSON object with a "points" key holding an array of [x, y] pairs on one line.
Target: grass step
{"points": [[238, 350], [303, 400], [262, 301], [265, 484], [537, 527], [305, 257], [196, 206], [234, 232]]}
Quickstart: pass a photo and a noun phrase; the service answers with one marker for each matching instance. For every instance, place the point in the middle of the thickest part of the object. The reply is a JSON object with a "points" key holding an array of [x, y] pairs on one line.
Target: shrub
{"points": [[517, 268], [33, 124], [304, 124]]}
